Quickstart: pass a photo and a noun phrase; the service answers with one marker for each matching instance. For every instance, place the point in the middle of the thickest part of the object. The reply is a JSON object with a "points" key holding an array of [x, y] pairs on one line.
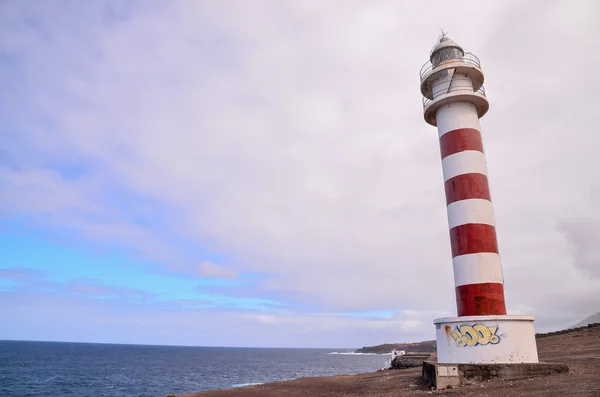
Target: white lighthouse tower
{"points": [[454, 100]]}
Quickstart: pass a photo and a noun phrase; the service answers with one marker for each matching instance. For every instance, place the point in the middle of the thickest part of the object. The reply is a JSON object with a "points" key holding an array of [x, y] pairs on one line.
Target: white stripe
{"points": [[465, 162], [479, 268], [457, 115], [470, 211]]}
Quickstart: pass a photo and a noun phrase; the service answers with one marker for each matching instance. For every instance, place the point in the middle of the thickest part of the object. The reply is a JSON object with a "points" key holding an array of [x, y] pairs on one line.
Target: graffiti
{"points": [[476, 334]]}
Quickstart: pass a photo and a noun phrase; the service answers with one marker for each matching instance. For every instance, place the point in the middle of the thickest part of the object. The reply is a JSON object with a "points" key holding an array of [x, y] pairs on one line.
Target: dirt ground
{"points": [[579, 350]]}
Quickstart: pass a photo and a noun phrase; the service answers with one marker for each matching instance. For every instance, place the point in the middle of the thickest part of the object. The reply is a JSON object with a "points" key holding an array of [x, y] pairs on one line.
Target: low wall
{"points": [[451, 375], [483, 372], [567, 331]]}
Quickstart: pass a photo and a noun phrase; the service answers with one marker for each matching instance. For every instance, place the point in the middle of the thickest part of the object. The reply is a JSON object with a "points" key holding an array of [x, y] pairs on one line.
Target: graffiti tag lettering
{"points": [[476, 334]]}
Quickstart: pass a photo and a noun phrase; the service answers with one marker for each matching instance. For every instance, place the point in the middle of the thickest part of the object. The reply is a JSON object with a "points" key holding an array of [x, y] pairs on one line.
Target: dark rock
{"points": [[404, 363]]}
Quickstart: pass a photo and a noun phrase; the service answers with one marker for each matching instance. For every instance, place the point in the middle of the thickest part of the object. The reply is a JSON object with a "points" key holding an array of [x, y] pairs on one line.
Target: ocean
{"points": [[56, 369]]}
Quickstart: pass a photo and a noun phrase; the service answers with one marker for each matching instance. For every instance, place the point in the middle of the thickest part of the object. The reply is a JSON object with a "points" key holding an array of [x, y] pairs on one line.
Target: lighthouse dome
{"points": [[445, 50]]}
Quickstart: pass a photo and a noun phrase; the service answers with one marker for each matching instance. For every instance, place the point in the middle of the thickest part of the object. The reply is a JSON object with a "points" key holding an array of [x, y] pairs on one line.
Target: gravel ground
{"points": [[579, 350]]}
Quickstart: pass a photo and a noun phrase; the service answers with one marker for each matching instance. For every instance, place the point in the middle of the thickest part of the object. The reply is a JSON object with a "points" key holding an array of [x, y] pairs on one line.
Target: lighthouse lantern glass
{"points": [[446, 54]]}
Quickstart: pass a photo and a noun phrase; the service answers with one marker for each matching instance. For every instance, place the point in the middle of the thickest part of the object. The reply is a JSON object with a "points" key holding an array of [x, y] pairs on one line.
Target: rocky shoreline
{"points": [[580, 350]]}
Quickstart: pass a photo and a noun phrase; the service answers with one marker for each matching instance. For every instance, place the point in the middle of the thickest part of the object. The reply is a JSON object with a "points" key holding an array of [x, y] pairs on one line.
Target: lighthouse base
{"points": [[444, 376], [486, 340]]}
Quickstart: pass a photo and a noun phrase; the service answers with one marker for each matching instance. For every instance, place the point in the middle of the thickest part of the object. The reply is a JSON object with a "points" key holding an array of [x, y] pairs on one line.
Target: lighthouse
{"points": [[454, 101]]}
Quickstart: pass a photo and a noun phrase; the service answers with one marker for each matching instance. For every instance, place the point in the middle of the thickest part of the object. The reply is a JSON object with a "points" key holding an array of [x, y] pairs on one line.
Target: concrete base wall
{"points": [[443, 376], [486, 340]]}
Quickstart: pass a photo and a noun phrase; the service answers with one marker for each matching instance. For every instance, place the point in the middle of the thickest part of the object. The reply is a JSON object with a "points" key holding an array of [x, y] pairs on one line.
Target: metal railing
{"points": [[458, 88], [468, 58]]}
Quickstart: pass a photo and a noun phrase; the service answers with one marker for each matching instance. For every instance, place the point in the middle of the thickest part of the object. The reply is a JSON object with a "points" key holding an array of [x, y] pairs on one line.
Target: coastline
{"points": [[579, 350], [340, 385]]}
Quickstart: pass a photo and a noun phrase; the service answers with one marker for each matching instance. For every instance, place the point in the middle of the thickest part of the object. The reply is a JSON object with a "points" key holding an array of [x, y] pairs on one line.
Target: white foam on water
{"points": [[359, 354], [246, 384]]}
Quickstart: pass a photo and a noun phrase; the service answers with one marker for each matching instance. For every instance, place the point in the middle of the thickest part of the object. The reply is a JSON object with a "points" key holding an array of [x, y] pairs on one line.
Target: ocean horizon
{"points": [[51, 368]]}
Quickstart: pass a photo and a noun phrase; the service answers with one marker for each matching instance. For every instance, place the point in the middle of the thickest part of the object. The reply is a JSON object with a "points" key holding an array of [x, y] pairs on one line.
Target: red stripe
{"points": [[467, 186], [473, 238], [459, 140], [485, 299]]}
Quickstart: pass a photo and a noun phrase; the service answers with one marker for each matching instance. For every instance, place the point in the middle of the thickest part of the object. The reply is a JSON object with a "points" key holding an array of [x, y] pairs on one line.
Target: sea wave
{"points": [[359, 354], [246, 384]]}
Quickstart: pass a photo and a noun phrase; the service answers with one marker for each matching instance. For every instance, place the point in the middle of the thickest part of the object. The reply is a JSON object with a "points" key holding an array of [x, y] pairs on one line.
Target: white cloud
{"points": [[123, 322], [208, 269], [290, 136]]}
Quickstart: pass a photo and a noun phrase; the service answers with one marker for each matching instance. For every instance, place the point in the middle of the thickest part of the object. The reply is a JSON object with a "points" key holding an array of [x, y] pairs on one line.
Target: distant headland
{"points": [[427, 346]]}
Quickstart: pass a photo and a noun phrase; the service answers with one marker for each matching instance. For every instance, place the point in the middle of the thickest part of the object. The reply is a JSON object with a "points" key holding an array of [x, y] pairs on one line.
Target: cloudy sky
{"points": [[258, 173]]}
